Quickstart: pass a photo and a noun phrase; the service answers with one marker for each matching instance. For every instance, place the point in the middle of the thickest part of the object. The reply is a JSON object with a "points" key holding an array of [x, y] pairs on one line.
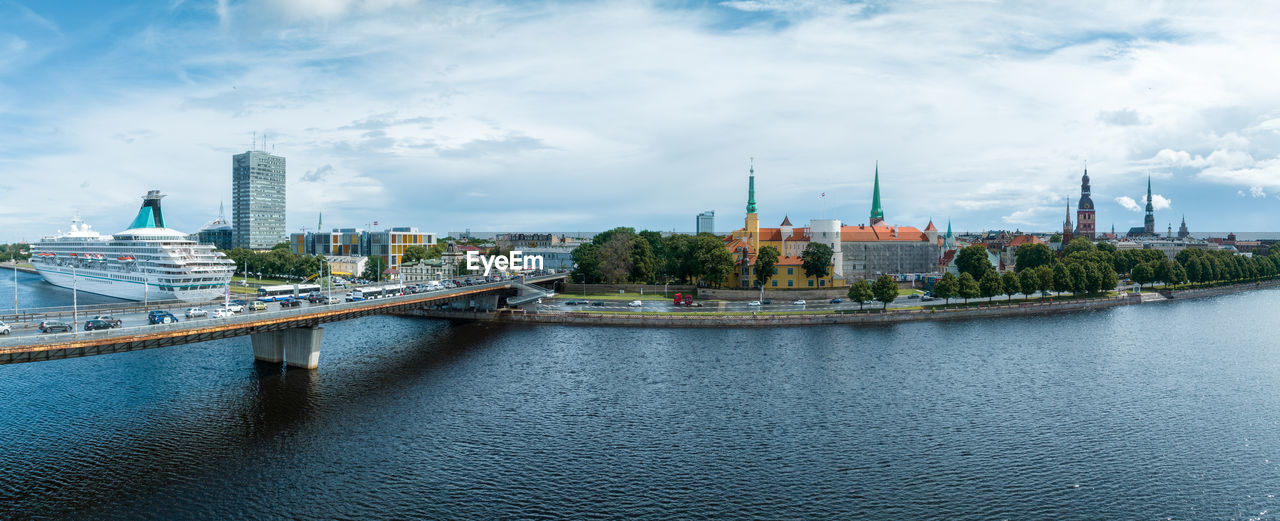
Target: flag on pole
{"points": [[824, 194]]}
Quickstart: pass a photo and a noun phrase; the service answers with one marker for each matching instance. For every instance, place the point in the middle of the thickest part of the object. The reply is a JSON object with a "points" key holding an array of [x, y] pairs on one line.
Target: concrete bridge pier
{"points": [[299, 347]]}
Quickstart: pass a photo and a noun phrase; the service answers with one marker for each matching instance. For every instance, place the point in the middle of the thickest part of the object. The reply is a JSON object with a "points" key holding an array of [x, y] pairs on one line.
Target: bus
{"points": [[376, 292], [285, 291]]}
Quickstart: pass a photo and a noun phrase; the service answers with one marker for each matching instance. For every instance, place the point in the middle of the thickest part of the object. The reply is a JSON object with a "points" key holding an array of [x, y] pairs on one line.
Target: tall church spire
{"points": [[877, 213], [751, 189], [1149, 223]]}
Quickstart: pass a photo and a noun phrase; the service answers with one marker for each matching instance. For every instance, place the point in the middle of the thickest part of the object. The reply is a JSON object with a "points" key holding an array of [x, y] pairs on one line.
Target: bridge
{"points": [[289, 336]]}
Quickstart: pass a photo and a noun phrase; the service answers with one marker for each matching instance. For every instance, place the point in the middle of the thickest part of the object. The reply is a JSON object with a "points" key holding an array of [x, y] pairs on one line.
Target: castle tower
{"points": [[1149, 223], [753, 221], [877, 213], [1182, 230], [1085, 223]]}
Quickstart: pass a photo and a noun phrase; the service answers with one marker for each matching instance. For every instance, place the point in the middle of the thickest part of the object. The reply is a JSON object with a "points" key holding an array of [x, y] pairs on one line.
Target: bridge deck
{"points": [[86, 343]]}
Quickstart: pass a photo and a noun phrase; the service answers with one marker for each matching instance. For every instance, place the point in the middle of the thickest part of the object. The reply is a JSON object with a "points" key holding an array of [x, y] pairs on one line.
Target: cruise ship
{"points": [[145, 262]]}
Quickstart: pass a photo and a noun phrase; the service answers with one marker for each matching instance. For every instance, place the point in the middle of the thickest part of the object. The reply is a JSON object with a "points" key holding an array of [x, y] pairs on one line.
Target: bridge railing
{"points": [[250, 317]]}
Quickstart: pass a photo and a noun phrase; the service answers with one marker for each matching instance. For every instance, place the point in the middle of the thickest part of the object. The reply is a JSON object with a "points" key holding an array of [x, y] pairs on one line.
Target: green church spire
{"points": [[877, 213], [751, 189]]}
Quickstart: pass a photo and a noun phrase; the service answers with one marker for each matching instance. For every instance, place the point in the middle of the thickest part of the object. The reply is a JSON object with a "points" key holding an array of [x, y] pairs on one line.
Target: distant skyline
{"points": [[583, 116]]}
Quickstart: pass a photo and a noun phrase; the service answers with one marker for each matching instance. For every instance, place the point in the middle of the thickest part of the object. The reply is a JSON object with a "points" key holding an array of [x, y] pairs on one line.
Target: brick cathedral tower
{"points": [[1085, 222]]}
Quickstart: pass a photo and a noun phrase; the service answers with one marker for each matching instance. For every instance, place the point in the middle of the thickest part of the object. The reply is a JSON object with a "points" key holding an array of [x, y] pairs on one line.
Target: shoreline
{"points": [[578, 318]]}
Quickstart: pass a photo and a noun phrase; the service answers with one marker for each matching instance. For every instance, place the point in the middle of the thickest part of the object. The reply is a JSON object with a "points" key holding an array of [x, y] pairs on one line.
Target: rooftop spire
{"points": [[751, 188], [877, 213]]}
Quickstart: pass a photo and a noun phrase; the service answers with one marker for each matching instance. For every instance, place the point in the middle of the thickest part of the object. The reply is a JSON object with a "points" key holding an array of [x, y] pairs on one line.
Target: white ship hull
{"points": [[102, 283]]}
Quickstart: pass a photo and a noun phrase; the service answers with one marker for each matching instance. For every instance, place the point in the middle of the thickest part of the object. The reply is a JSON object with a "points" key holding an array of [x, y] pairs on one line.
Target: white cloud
{"points": [[1129, 204], [1158, 202], [1256, 191]]}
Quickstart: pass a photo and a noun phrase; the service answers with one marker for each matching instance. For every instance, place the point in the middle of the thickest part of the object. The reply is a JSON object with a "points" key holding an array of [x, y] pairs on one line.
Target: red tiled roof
{"points": [[1024, 239], [880, 233], [930, 227]]}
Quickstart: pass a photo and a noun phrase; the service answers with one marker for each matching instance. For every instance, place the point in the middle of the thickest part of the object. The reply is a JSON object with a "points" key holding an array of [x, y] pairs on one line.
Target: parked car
{"points": [[160, 317], [115, 322], [257, 305], [799, 302], [196, 312], [54, 326], [635, 304], [290, 303], [5, 329], [95, 324], [754, 303], [837, 300]]}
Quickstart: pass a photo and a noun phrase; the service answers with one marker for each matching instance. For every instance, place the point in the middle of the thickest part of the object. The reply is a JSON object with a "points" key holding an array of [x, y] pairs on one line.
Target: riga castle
{"points": [[864, 251]]}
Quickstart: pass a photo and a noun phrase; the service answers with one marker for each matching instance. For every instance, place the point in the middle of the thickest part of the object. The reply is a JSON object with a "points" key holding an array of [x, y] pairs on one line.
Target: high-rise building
{"points": [[257, 199], [1085, 222], [706, 222]]}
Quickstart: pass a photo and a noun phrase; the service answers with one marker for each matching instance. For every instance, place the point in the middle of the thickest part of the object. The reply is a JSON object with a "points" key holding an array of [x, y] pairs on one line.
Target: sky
{"points": [[583, 116]]}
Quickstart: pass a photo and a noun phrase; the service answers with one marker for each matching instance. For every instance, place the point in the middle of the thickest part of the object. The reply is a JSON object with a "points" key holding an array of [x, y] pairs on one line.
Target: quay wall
{"points": [[696, 319], [1219, 290]]}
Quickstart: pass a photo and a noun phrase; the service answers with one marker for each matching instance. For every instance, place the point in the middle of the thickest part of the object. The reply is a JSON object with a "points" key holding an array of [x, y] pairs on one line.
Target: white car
{"points": [[754, 303], [799, 302], [234, 308], [196, 312], [5, 329], [635, 303], [223, 313]]}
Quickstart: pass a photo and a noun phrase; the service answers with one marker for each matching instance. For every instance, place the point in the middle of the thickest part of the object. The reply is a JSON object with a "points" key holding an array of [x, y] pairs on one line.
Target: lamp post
{"points": [[15, 288]]}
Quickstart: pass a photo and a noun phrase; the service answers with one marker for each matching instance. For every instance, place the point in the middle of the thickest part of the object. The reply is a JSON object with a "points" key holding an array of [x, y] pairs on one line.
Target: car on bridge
{"points": [[333, 300], [157, 316], [290, 303], [315, 298], [96, 324], [5, 329], [236, 306], [55, 326], [115, 322], [196, 312], [257, 305], [223, 313]]}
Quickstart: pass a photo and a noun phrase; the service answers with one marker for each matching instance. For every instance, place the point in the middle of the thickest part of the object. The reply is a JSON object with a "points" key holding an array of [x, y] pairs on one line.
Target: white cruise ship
{"points": [[145, 262]]}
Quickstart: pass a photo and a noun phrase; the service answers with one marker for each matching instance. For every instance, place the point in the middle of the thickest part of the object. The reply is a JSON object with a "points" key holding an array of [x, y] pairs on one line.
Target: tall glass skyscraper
{"points": [[257, 199]]}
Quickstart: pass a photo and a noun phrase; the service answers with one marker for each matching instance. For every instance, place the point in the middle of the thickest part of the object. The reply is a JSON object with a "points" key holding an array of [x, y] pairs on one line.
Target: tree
{"points": [[1109, 278], [586, 263], [968, 287], [1143, 274], [1061, 278], [860, 292], [885, 290], [1107, 247], [1079, 281], [709, 260], [1032, 255], [373, 268], [1044, 274], [815, 259], [1078, 244], [644, 266], [1028, 282], [973, 260], [1093, 278], [413, 254], [766, 265], [1056, 237], [282, 246], [615, 258], [990, 286], [948, 287], [1009, 281]]}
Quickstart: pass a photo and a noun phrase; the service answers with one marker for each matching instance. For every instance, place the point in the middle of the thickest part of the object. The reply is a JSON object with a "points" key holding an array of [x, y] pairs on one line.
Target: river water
{"points": [[1156, 411]]}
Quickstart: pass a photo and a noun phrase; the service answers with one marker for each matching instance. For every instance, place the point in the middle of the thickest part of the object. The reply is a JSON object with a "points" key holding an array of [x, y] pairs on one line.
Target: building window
{"points": [[775, 283], [791, 283], [791, 271], [811, 283], [822, 283]]}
